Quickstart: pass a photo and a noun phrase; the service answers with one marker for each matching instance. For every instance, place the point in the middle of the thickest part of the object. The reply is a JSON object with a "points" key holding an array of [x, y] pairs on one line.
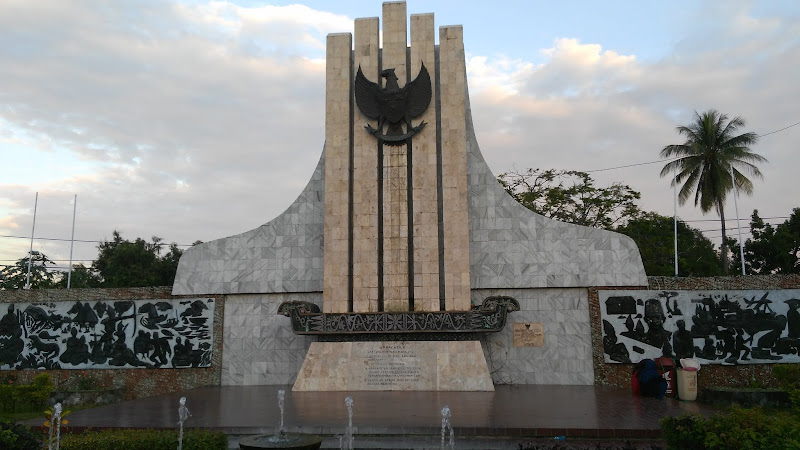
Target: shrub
{"points": [[740, 428], [25, 397], [193, 439], [687, 431], [87, 381], [788, 376], [14, 436]]}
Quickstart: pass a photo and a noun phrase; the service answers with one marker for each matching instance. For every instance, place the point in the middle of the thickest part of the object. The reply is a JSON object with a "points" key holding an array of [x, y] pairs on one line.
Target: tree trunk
{"points": [[723, 249]]}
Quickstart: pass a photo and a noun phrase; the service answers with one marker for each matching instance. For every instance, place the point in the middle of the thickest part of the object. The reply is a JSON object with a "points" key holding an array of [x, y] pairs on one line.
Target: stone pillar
{"points": [[453, 82], [424, 176], [395, 171], [338, 126], [396, 221], [365, 177]]}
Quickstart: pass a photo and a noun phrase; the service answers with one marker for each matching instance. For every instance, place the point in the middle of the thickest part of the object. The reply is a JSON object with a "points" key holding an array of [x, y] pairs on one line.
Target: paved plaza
{"points": [[500, 419]]}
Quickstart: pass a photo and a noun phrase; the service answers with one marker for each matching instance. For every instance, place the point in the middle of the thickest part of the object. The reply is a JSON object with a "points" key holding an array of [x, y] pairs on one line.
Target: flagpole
{"points": [[675, 219], [738, 226], [30, 252], [72, 240]]}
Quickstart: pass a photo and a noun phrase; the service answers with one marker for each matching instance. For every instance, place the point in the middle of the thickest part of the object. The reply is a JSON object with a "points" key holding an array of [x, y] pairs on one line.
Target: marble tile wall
{"points": [[513, 247], [565, 358], [283, 255], [259, 346]]}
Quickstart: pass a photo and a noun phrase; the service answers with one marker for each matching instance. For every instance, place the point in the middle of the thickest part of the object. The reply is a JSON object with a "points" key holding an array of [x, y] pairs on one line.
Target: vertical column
{"points": [[365, 178], [423, 162], [454, 167], [338, 127], [395, 167]]}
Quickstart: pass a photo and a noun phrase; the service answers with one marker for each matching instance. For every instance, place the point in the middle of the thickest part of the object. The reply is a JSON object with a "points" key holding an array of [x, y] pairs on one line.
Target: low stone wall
{"points": [[617, 374], [103, 397], [136, 382]]}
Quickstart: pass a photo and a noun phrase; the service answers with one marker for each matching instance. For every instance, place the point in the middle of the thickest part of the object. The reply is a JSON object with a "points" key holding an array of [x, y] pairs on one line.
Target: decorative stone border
{"points": [[488, 317]]}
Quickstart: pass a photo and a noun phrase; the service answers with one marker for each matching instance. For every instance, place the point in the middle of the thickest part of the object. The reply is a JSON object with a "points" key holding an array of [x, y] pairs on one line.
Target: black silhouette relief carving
{"points": [[723, 327], [107, 334]]}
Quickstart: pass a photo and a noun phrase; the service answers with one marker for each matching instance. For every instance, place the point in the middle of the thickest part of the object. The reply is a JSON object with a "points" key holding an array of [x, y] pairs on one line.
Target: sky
{"points": [[195, 120]]}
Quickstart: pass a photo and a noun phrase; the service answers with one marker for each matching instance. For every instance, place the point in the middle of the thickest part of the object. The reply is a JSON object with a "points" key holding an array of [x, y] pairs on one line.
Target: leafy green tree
{"points": [[654, 234], [705, 160], [42, 277], [82, 277], [122, 263], [772, 249], [571, 196]]}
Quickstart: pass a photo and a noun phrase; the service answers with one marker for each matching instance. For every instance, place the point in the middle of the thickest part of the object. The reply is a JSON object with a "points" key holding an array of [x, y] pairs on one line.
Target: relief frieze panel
{"points": [[170, 333], [717, 327]]}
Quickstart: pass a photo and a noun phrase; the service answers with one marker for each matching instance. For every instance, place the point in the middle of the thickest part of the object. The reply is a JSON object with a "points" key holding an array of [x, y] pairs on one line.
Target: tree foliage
{"points": [[119, 263], [16, 276], [704, 163], [654, 234], [82, 277], [771, 249], [571, 196], [122, 263]]}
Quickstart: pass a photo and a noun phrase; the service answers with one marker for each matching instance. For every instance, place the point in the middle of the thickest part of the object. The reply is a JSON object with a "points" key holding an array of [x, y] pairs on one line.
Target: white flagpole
{"points": [[30, 252], [72, 240], [738, 226], [675, 219]]}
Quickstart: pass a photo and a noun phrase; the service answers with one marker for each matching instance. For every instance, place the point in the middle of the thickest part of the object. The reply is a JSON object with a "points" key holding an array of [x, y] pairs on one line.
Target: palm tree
{"points": [[705, 161]]}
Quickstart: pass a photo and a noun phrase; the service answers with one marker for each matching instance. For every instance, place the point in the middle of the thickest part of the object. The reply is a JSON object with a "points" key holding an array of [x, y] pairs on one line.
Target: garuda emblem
{"points": [[393, 106]]}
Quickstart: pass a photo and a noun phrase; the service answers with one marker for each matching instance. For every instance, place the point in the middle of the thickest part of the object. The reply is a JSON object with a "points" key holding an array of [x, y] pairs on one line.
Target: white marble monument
{"points": [[421, 225]]}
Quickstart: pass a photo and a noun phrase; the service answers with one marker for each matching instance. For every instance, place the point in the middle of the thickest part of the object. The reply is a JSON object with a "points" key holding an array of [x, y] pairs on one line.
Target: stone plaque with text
{"points": [[528, 334], [395, 366]]}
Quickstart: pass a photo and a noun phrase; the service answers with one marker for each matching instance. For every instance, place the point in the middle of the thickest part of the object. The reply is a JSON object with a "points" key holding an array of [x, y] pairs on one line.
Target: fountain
{"points": [[55, 422], [447, 426], [284, 440], [183, 414], [347, 442]]}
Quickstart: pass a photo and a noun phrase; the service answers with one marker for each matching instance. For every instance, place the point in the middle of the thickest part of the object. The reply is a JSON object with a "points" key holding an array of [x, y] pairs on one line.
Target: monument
{"points": [[401, 261]]}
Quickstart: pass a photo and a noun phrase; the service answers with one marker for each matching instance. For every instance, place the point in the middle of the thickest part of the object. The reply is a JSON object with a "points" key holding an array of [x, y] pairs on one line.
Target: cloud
{"points": [[177, 108], [202, 120], [584, 107]]}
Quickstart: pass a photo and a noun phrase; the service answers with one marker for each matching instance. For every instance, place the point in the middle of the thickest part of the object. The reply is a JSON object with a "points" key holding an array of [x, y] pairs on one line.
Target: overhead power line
{"points": [[666, 160], [734, 220], [776, 131], [76, 240]]}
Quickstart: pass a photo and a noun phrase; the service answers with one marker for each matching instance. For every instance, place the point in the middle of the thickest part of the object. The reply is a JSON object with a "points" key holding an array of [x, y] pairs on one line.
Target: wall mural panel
{"points": [[718, 327], [106, 334]]}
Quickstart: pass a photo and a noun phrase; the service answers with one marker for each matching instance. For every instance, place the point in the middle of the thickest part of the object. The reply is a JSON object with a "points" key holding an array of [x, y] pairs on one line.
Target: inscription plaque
{"points": [[394, 366], [528, 334]]}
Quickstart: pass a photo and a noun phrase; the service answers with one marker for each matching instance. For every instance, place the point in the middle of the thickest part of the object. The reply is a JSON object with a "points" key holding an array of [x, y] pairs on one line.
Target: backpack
{"points": [[636, 387]]}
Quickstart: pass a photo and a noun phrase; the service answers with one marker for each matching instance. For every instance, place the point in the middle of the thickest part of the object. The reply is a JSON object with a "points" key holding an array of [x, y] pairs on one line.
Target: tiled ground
{"points": [[509, 412]]}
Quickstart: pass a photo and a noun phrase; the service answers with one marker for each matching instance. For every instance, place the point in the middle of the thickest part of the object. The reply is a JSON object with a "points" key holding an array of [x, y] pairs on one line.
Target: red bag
{"points": [[666, 367], [637, 390]]}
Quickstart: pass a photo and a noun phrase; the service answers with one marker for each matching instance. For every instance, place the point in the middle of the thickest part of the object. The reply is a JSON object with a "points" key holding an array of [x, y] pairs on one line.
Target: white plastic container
{"points": [[687, 385]]}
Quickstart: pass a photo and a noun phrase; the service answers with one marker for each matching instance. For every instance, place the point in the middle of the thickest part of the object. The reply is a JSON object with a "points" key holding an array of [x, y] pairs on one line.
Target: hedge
{"points": [[124, 439], [740, 428]]}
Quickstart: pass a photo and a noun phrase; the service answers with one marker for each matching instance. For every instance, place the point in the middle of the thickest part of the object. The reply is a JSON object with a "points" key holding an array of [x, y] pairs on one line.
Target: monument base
{"points": [[394, 366]]}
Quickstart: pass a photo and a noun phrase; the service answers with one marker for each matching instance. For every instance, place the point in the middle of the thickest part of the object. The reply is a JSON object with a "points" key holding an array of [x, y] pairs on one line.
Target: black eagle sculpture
{"points": [[393, 105]]}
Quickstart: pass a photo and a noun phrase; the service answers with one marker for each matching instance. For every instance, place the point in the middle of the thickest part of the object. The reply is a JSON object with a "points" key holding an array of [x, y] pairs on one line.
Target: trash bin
{"points": [[666, 368], [687, 384]]}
